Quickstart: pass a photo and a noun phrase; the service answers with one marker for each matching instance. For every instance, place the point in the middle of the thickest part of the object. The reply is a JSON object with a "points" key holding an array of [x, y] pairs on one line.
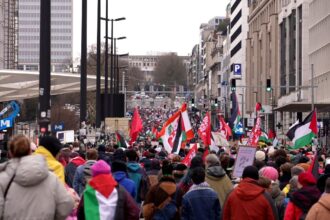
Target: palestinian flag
{"points": [[121, 141], [301, 134], [263, 138], [235, 120], [172, 133], [186, 125], [100, 198]]}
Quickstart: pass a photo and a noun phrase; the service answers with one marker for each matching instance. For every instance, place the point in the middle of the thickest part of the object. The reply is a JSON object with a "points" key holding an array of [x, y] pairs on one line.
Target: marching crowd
{"points": [[54, 181]]}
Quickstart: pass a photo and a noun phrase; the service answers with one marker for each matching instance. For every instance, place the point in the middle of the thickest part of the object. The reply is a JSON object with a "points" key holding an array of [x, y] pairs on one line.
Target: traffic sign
{"points": [[237, 67]]}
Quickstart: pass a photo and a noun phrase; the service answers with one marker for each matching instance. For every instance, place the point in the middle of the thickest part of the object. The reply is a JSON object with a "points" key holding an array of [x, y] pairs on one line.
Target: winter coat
{"points": [[200, 202], [249, 201], [128, 184], [52, 163], [218, 180], [79, 180], [300, 202], [71, 168], [35, 192], [321, 209], [112, 201], [158, 194], [278, 197], [138, 175]]}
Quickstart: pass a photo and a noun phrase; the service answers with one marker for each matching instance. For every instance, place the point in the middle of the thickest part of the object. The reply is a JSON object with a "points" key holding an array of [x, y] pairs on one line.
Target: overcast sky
{"points": [[151, 25]]}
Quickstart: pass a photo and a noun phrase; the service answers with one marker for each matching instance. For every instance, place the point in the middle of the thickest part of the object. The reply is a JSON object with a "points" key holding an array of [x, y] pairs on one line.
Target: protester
{"points": [[119, 172], [83, 172], [200, 202], [153, 172], [285, 174], [104, 197], [102, 154], [186, 182], [269, 172], [50, 147], [217, 178], [302, 199], [138, 175], [323, 178], [162, 193], [28, 190], [248, 200], [179, 170], [70, 169], [321, 209]]}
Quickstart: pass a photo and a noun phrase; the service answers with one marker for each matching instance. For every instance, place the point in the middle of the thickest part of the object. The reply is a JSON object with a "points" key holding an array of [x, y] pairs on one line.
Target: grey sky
{"points": [[151, 25]]}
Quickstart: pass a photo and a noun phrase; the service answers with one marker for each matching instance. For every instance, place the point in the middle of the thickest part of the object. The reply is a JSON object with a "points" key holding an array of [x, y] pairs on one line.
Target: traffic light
{"points": [[233, 84], [216, 102], [269, 85], [192, 102]]}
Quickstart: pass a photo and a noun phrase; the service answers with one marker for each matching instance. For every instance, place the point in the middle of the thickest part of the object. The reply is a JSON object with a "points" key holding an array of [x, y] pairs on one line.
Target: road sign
{"points": [[237, 69], [59, 127]]}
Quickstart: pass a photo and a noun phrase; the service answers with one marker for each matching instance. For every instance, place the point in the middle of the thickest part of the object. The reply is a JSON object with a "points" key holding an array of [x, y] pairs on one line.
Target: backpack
{"points": [[168, 211]]}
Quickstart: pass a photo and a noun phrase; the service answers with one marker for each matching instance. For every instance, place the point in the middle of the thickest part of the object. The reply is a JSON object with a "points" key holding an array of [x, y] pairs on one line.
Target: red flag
{"points": [[314, 167], [204, 130], [224, 127], [255, 133], [313, 124], [191, 154], [271, 134], [136, 126], [258, 106]]}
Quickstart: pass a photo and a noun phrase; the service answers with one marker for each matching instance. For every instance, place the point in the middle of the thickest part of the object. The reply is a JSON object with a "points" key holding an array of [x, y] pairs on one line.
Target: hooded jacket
{"points": [[35, 192], [138, 175], [321, 209], [129, 185], [218, 180], [52, 163], [158, 194], [301, 201], [249, 201]]}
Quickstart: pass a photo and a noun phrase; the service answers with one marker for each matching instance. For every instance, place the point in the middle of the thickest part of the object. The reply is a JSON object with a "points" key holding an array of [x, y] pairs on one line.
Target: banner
{"points": [[191, 154], [245, 157]]}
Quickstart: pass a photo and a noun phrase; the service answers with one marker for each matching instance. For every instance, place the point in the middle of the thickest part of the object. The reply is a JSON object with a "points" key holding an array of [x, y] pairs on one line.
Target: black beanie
{"points": [[52, 144], [250, 172], [118, 166]]}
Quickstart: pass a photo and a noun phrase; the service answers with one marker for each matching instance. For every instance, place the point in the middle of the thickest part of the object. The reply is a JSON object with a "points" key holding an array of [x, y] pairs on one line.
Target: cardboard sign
{"points": [[245, 157]]}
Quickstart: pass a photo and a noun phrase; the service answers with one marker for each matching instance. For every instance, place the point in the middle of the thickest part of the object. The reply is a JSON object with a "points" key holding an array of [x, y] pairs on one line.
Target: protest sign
{"points": [[245, 157]]}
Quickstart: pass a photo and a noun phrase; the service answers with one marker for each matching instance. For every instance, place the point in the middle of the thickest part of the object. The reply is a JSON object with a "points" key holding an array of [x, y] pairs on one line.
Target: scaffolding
{"points": [[10, 27]]}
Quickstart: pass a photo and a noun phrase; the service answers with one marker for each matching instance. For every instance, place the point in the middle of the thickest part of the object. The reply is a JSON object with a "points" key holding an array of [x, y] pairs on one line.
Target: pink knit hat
{"points": [[100, 167], [269, 172]]}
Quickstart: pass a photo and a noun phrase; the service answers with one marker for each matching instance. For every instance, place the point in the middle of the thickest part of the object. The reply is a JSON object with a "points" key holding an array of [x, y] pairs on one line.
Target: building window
{"points": [[236, 19], [236, 49], [236, 34], [232, 9]]}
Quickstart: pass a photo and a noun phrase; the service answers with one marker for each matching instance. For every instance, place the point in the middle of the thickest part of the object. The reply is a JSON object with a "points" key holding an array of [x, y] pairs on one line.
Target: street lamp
{"points": [[106, 60]]}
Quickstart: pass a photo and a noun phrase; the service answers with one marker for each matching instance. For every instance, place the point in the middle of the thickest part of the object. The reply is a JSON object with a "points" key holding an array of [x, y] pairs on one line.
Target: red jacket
{"points": [[249, 201]]}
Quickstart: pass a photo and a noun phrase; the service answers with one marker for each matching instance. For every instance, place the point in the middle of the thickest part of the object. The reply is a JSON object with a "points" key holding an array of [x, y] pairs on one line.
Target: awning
{"points": [[303, 107]]}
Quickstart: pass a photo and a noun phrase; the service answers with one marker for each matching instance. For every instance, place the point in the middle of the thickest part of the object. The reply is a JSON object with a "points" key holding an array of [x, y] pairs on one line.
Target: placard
{"points": [[245, 157]]}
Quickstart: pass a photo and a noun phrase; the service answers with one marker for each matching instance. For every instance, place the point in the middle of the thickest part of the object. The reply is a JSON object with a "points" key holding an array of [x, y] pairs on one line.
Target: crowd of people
{"points": [[54, 181]]}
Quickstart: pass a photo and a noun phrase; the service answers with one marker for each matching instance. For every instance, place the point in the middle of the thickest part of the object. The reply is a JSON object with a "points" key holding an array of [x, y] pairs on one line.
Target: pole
{"points": [[124, 90], [115, 66], [44, 62], [98, 66], [312, 82], [243, 124], [106, 96], [83, 60], [111, 71]]}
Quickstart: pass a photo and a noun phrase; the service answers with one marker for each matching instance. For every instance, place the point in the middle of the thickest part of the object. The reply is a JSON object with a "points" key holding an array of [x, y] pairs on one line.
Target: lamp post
{"points": [[98, 67], [83, 61]]}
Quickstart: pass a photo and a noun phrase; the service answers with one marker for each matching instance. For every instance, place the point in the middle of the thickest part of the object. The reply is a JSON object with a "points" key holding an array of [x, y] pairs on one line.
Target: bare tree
{"points": [[170, 70], [61, 115]]}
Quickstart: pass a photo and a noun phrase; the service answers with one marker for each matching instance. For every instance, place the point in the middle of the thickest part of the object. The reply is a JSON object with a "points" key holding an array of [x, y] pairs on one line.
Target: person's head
{"points": [[52, 144], [101, 148], [100, 167], [167, 169], [269, 172], [296, 170], [250, 172], [306, 179], [293, 183], [92, 154], [198, 175], [327, 185], [118, 165], [119, 154], [132, 156], [19, 146], [87, 169], [196, 162], [260, 155], [155, 164], [212, 160], [285, 169]]}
